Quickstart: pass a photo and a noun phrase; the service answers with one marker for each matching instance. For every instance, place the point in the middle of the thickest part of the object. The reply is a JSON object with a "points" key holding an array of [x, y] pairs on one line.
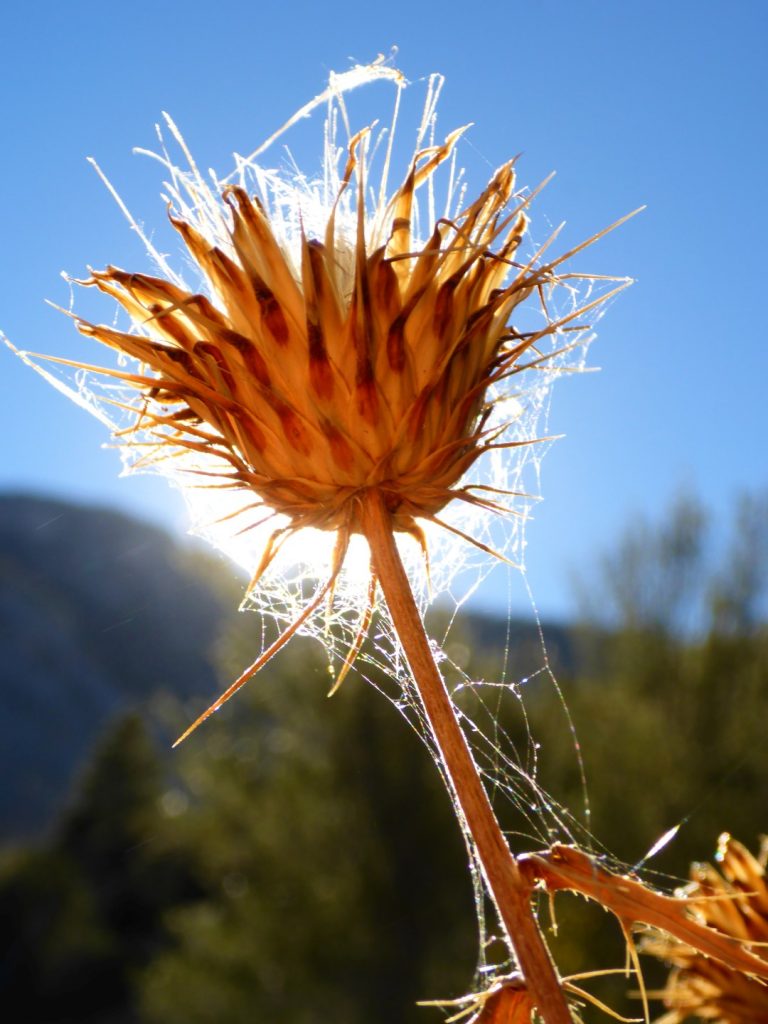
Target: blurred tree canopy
{"points": [[669, 705], [298, 860]]}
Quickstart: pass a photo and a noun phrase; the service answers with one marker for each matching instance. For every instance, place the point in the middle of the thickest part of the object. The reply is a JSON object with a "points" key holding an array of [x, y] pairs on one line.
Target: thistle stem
{"points": [[508, 888]]}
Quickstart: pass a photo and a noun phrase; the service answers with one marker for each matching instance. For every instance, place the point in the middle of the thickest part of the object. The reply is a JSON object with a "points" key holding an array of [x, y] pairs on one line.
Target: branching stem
{"points": [[510, 891]]}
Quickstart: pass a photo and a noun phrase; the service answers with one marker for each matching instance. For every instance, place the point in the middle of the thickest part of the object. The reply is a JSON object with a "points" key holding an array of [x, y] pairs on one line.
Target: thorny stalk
{"points": [[510, 890], [633, 903]]}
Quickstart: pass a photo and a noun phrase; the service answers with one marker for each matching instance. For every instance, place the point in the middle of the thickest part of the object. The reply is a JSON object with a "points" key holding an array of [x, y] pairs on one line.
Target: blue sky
{"points": [[651, 103]]}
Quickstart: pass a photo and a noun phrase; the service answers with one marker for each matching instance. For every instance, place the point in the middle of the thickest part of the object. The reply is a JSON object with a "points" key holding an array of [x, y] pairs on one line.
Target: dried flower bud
{"points": [[734, 901]]}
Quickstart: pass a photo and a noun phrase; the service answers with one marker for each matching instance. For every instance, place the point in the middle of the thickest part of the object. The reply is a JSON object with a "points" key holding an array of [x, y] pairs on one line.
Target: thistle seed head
{"points": [[367, 365], [734, 901], [361, 353]]}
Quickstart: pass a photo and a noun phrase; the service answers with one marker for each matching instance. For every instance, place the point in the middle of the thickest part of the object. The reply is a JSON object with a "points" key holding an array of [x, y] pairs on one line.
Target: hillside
{"points": [[101, 613], [96, 615]]}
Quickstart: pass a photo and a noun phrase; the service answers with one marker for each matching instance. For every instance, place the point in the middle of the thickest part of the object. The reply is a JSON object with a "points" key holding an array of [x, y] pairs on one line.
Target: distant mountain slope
{"points": [[527, 648], [98, 612]]}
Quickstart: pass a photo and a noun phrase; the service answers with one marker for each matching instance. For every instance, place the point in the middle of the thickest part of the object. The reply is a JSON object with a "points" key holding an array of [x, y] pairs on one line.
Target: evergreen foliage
{"points": [[311, 819]]}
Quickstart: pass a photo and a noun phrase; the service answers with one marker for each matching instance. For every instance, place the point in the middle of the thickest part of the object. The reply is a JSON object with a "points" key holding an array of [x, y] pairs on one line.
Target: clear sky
{"points": [[657, 103]]}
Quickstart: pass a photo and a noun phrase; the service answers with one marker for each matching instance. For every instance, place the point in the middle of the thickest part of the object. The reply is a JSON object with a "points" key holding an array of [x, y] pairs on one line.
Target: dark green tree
{"points": [[335, 873], [86, 913]]}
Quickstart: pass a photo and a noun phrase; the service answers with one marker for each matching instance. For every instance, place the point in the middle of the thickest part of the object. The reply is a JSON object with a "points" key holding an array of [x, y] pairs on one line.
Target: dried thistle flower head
{"points": [[734, 901], [505, 1001], [364, 364], [344, 339]]}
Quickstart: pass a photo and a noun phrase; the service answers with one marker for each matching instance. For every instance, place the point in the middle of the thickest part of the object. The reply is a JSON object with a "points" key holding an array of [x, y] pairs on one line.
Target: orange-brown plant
{"points": [[339, 371], [732, 899]]}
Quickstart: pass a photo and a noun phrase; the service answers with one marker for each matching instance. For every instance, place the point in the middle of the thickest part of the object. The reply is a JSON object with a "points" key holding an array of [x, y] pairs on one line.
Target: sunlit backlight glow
{"points": [[341, 337]]}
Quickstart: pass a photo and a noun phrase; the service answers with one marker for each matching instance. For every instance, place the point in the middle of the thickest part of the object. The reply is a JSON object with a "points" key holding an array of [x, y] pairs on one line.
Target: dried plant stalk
{"points": [[511, 893], [711, 931]]}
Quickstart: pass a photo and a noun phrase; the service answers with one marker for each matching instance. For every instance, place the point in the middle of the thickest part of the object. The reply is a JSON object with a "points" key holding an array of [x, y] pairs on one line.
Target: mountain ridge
{"points": [[101, 614], [96, 611]]}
